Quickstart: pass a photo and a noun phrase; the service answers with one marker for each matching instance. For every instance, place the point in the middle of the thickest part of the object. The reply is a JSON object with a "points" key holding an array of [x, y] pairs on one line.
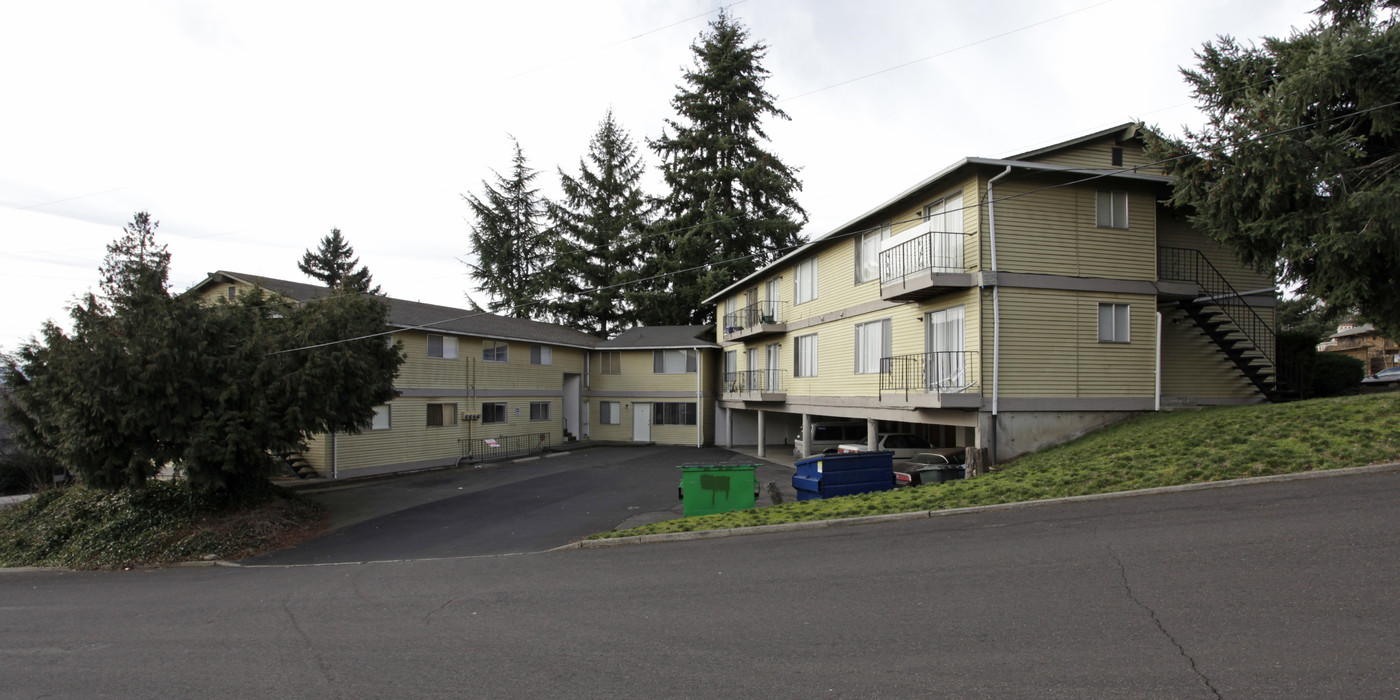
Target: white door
{"points": [[641, 422], [946, 368]]}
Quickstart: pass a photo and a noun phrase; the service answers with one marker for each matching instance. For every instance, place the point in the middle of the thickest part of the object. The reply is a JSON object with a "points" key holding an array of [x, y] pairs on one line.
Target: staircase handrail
{"points": [[1215, 295]]}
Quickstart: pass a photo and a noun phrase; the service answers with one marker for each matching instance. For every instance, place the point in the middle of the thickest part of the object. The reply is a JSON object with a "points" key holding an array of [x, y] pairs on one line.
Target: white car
{"points": [[903, 445], [1386, 375]]}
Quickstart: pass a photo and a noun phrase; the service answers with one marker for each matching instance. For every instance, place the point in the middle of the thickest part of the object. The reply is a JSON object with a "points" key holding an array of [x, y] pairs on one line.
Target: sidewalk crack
{"points": [[1128, 589]]}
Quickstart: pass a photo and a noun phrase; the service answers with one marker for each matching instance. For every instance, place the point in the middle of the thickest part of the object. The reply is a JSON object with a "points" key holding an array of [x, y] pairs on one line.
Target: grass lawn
{"points": [[163, 523], [1159, 449]]}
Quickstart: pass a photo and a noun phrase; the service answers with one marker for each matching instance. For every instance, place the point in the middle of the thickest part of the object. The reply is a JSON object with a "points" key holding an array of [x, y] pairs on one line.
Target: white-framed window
{"points": [[495, 351], [805, 288], [673, 362], [805, 356], [442, 414], [610, 361], [539, 410], [1113, 323], [541, 355], [731, 362], [678, 413], [382, 418], [873, 341], [493, 412], [1112, 208], [949, 366], [232, 292], [610, 412], [442, 346], [730, 319], [868, 253]]}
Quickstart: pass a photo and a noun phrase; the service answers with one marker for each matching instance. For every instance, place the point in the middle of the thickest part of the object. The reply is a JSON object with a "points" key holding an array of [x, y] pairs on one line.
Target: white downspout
{"points": [[996, 308], [699, 403], [1157, 390]]}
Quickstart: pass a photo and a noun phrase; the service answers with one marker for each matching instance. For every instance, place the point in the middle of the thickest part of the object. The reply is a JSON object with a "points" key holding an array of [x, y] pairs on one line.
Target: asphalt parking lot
{"points": [[508, 507]]}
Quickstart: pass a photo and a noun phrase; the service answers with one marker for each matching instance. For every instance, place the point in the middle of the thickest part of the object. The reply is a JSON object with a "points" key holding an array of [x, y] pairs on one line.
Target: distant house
{"points": [[475, 383], [1365, 343]]}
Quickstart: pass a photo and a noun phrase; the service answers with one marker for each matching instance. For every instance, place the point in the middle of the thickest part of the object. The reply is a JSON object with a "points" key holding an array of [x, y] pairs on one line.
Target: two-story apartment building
{"points": [[473, 384], [1004, 304]]}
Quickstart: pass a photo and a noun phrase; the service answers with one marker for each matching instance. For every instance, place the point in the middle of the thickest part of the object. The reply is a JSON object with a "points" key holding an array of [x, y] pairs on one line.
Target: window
{"points": [[610, 412], [805, 288], [611, 361], [494, 351], [772, 296], [1113, 209], [868, 253], [493, 412], [731, 319], [1115, 156], [949, 366], [381, 419], [232, 291], [944, 220], [673, 414], [539, 410], [872, 343], [731, 363], [1113, 323], [541, 355], [673, 362], [805, 359], [442, 414], [443, 346]]}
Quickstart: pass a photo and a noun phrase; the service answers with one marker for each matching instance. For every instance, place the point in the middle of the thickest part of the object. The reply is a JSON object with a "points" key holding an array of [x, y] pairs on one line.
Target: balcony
{"points": [[758, 320], [754, 385], [946, 379], [927, 265]]}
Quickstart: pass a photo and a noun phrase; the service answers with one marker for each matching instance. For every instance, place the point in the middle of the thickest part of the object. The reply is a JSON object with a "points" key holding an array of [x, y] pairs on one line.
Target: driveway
{"points": [[507, 508]]}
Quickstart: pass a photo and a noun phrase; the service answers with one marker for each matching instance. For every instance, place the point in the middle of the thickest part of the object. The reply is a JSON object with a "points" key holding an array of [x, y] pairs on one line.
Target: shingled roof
{"points": [[413, 314], [658, 337]]}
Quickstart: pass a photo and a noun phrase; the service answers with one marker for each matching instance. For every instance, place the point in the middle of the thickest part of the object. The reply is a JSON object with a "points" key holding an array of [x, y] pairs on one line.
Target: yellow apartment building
{"points": [[1004, 304]]}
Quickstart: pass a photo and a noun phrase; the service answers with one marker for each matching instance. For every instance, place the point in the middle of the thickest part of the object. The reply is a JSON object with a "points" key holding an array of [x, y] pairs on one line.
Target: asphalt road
{"points": [[506, 508], [1285, 590]]}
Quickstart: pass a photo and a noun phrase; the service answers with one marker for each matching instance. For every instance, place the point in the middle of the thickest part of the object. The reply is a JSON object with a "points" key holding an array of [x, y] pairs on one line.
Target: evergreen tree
{"points": [[512, 248], [334, 265], [732, 204], [147, 379], [598, 231], [1296, 166]]}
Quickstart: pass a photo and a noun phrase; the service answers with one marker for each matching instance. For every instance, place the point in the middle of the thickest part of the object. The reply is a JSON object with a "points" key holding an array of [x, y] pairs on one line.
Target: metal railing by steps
{"points": [[1223, 316]]}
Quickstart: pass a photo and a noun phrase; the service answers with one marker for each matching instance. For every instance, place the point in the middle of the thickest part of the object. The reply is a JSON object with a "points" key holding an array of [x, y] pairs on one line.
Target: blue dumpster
{"points": [[825, 476]]}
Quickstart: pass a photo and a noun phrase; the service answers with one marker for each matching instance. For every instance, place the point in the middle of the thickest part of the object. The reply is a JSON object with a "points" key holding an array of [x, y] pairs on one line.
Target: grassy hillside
{"points": [[1160, 449]]}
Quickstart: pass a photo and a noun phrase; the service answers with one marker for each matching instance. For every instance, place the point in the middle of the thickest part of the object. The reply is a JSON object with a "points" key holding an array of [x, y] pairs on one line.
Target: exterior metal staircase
{"points": [[1222, 315]]}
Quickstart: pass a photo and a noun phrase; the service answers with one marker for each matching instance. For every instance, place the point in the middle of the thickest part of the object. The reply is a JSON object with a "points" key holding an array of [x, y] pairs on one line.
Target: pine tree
{"points": [[147, 379], [512, 248], [334, 265], [1296, 168], [732, 205], [598, 230]]}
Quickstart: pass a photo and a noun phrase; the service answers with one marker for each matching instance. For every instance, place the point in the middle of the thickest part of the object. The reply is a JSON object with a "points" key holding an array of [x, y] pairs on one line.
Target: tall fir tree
{"points": [[513, 251], [334, 263], [598, 229], [732, 206]]}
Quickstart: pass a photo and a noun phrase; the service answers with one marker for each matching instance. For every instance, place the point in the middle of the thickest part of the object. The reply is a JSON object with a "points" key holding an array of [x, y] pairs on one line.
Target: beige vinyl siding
{"points": [[1050, 346], [638, 374], [1176, 232], [1194, 368], [1055, 231], [1098, 154]]}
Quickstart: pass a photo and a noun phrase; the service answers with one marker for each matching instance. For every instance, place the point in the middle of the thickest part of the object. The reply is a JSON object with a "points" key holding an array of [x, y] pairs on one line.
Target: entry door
{"points": [[641, 422]]}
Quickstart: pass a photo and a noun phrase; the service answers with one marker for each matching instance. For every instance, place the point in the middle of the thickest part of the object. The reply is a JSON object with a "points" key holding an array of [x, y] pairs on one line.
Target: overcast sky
{"points": [[249, 129]]}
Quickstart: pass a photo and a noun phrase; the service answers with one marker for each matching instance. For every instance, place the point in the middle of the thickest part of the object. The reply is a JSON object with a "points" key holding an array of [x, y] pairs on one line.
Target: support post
{"points": [[762, 435]]}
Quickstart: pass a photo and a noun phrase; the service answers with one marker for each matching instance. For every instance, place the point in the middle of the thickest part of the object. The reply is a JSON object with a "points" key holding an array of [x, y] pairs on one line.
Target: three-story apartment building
{"points": [[1004, 304]]}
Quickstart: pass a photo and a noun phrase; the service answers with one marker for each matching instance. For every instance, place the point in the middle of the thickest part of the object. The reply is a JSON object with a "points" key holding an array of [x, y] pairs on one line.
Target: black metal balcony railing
{"points": [[753, 315], [488, 449], [933, 251], [944, 372], [765, 381]]}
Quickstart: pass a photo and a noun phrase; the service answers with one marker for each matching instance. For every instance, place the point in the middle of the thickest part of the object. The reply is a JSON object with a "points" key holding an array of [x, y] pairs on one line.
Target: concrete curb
{"points": [[921, 514]]}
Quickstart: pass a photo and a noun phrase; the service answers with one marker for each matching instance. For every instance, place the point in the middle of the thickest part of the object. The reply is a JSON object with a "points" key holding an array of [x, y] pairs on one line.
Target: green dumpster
{"points": [[717, 488]]}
